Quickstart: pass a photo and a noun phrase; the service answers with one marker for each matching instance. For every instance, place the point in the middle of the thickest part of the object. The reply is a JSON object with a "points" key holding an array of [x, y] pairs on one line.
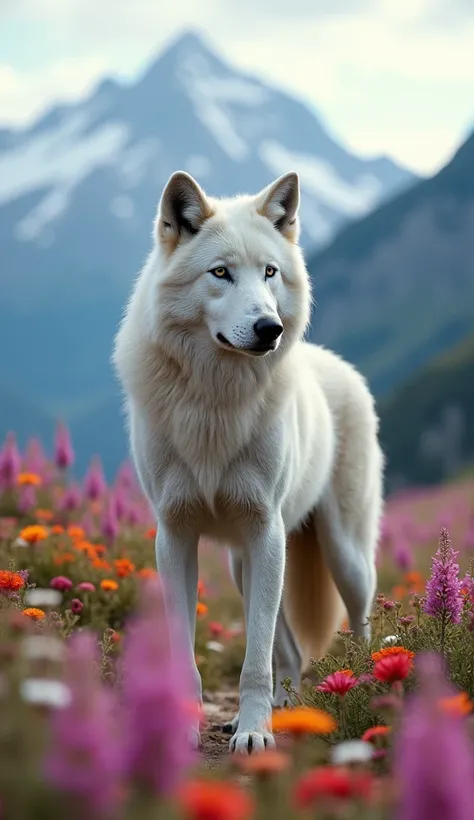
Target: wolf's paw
{"points": [[247, 742], [230, 728]]}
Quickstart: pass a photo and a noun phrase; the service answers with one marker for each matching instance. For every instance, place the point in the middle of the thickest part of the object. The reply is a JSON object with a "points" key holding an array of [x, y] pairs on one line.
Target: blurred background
{"points": [[372, 102]]}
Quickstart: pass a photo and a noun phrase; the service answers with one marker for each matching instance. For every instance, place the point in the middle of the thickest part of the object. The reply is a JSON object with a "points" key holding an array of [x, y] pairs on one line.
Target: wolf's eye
{"points": [[221, 272], [270, 271]]}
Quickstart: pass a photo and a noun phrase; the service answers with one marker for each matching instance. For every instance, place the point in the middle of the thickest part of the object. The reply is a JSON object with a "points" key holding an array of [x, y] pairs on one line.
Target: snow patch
{"points": [[135, 161], [57, 161], [211, 96], [322, 181]]}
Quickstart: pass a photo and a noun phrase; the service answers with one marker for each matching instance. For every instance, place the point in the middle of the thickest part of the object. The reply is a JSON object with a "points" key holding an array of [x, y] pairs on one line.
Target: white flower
{"points": [[390, 639], [215, 646], [42, 646], [20, 542], [351, 751], [43, 597], [45, 692]]}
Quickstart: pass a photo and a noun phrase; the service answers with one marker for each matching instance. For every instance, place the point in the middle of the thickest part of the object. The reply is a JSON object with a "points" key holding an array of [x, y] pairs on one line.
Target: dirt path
{"points": [[219, 708]]}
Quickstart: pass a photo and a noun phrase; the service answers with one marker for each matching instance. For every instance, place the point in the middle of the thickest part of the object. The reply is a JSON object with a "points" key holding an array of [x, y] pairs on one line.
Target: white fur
{"points": [[250, 450]]}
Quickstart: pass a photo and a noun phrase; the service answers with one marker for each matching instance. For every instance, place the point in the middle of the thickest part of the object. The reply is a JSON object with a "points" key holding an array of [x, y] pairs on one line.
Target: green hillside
{"points": [[426, 425]]}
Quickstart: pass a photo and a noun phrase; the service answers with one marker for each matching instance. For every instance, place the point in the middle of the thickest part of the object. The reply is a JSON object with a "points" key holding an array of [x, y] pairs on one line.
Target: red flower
{"points": [[215, 800], [338, 683], [337, 782], [370, 735], [393, 668], [216, 629]]}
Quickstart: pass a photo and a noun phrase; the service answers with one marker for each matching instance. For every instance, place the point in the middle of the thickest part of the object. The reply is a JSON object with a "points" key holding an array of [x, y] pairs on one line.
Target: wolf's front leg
{"points": [[177, 560], [262, 576]]}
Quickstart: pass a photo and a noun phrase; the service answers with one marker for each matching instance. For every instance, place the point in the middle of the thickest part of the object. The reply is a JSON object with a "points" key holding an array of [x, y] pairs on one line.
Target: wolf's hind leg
{"points": [[351, 560]]}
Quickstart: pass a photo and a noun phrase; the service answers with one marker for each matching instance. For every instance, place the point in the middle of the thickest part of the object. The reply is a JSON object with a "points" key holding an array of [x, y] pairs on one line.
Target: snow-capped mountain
{"points": [[79, 189]]}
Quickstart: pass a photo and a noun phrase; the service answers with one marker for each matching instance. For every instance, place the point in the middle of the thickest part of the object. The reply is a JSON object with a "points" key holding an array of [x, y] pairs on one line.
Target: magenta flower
{"points": [[76, 606], [433, 763], [35, 460], [156, 694], [86, 586], [63, 452], [443, 590], [84, 759], [119, 501], [27, 498], [71, 499], [109, 523], [337, 684], [10, 463], [61, 583], [94, 482], [126, 477]]}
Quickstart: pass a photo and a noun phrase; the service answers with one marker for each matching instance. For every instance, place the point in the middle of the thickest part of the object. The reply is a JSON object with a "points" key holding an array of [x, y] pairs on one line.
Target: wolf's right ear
{"points": [[279, 202], [182, 210]]}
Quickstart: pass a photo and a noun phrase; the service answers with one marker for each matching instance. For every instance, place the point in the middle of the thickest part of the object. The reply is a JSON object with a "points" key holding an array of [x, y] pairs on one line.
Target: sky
{"points": [[392, 77]]}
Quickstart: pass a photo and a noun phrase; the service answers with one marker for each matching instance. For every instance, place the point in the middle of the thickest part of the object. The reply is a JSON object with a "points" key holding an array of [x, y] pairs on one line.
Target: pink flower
{"points": [[337, 684], [61, 583], [10, 463], [63, 452], [86, 586], [94, 481], [76, 606]]}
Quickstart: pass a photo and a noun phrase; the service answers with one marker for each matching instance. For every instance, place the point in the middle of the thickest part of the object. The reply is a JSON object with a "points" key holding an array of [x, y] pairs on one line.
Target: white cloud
{"points": [[388, 76]]}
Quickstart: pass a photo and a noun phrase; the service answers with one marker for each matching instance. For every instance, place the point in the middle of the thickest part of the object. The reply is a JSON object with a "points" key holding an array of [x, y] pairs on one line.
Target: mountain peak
{"points": [[188, 43]]}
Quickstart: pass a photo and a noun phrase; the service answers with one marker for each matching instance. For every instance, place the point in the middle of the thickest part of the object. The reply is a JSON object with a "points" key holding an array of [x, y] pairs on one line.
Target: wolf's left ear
{"points": [[279, 202], [182, 210]]}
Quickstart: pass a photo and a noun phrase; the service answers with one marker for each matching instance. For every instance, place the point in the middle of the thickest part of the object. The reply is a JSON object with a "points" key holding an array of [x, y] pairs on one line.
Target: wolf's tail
{"points": [[312, 604]]}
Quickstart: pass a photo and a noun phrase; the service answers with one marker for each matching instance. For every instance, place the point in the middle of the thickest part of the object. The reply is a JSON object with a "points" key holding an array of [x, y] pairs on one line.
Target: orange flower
{"points": [[76, 532], [29, 478], [100, 549], [34, 613], [347, 672], [392, 650], [147, 572], [124, 567], [263, 764], [374, 732], [64, 558], [150, 533], [44, 515], [109, 585], [457, 704], [415, 581], [201, 589], [34, 533], [215, 800], [399, 592], [302, 720], [11, 581], [98, 563], [57, 529], [201, 609]]}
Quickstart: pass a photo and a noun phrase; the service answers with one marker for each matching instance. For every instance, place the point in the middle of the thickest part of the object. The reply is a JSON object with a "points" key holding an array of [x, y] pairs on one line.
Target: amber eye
{"points": [[270, 271], [221, 272]]}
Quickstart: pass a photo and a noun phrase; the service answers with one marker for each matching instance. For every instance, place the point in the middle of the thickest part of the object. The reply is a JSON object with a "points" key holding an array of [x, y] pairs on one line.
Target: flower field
{"points": [[95, 705]]}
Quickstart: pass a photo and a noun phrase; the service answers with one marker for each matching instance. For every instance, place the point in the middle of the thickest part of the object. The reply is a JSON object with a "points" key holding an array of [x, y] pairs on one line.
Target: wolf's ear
{"points": [[279, 202], [182, 210]]}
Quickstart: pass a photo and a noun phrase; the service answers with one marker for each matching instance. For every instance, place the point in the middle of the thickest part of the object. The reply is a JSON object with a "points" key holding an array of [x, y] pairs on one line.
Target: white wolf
{"points": [[243, 433]]}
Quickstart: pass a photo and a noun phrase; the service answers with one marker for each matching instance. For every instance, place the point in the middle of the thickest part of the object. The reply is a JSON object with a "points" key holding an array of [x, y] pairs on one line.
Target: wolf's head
{"points": [[230, 271]]}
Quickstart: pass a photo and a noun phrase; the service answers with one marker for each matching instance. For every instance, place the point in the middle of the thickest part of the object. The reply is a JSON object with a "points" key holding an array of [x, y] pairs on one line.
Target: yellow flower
{"points": [[302, 720]]}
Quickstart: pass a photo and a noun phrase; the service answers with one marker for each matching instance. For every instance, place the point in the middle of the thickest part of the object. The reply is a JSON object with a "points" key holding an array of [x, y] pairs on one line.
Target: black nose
{"points": [[267, 330]]}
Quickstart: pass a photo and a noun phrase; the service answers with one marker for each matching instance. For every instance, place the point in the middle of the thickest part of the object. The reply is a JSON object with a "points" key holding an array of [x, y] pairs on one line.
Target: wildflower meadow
{"points": [[95, 703]]}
